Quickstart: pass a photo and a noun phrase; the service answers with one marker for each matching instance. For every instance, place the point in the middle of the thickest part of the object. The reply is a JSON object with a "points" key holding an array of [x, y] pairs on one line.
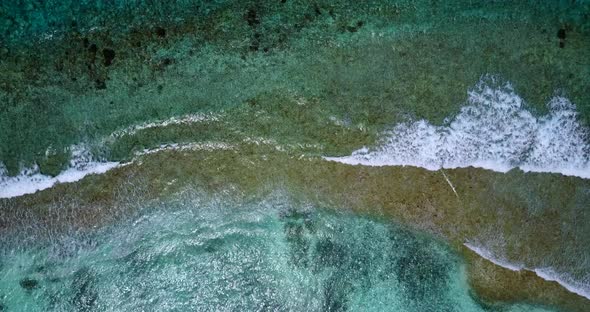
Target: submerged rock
{"points": [[252, 18], [29, 283], [109, 55], [561, 33], [561, 36], [93, 48], [355, 28], [160, 32], [100, 84]]}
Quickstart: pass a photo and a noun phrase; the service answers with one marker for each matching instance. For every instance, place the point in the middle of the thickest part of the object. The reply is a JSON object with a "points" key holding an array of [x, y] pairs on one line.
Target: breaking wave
{"points": [[575, 285], [31, 180], [493, 131], [83, 162]]}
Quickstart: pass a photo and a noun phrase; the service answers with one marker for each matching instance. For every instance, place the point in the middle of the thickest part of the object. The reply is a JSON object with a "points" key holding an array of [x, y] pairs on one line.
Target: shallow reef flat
{"points": [[527, 220]]}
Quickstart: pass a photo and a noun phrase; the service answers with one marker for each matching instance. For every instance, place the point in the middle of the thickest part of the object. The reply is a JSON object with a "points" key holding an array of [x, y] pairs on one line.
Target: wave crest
{"points": [[30, 180], [495, 131]]}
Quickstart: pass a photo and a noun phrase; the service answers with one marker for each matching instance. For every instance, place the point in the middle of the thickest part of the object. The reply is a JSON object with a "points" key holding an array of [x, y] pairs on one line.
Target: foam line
{"points": [[181, 120], [493, 131], [488, 255], [207, 146], [82, 163], [548, 274], [31, 181], [569, 283]]}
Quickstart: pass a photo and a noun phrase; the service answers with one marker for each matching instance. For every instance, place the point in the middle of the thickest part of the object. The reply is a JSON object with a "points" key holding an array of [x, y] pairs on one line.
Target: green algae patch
{"points": [[364, 65], [54, 162]]}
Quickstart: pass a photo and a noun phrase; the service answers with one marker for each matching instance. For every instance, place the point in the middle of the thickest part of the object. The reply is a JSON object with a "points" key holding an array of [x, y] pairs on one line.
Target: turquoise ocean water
{"points": [[195, 255]]}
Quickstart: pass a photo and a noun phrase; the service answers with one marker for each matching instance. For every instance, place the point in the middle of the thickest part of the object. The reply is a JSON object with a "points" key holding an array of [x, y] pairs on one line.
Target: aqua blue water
{"points": [[271, 255]]}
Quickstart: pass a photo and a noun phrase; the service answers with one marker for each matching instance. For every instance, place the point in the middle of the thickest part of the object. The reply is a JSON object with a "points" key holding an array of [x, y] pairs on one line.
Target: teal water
{"points": [[192, 254]]}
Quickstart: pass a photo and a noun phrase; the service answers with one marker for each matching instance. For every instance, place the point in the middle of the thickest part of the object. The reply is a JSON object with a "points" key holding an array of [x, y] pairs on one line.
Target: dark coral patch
{"points": [[160, 32], [109, 56], [252, 18], [29, 284]]}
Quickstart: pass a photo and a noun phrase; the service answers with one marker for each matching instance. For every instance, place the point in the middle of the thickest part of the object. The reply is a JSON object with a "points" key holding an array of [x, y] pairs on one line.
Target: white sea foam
{"points": [[82, 163], [181, 120], [493, 131], [581, 288], [194, 146], [569, 283], [30, 180], [487, 254]]}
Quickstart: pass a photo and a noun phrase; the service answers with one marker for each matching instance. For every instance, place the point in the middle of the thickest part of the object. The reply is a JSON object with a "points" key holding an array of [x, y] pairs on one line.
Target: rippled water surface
{"points": [[188, 255]]}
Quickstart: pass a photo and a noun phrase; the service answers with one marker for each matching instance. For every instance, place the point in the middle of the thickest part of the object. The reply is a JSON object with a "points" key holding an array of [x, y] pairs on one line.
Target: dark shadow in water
{"points": [[298, 227], [350, 262], [29, 284], [335, 294], [421, 273], [329, 254], [83, 288]]}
